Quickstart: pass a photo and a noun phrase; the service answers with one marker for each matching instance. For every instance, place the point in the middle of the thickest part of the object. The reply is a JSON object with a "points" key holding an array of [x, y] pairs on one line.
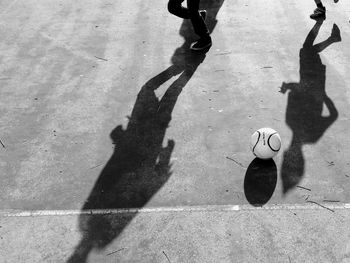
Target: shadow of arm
{"points": [[288, 86], [333, 112]]}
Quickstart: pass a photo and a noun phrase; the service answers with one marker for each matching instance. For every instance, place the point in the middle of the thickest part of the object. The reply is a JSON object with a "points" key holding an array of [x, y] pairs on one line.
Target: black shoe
{"points": [[319, 13], [201, 44], [203, 14]]}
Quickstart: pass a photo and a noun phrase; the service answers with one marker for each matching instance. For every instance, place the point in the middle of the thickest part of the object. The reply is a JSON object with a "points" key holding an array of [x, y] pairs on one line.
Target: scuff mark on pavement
{"points": [[3, 145], [115, 251], [166, 257], [308, 189], [101, 58], [320, 205], [235, 162]]}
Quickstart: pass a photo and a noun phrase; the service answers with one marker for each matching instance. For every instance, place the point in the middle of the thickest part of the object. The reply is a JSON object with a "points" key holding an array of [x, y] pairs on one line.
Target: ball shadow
{"points": [[260, 181]]}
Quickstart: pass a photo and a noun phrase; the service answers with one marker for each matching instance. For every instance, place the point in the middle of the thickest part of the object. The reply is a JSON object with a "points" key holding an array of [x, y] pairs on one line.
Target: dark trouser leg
{"points": [[175, 8], [199, 26], [191, 12]]}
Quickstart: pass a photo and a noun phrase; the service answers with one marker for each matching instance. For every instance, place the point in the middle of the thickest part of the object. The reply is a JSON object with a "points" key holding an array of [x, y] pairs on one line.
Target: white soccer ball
{"points": [[265, 143]]}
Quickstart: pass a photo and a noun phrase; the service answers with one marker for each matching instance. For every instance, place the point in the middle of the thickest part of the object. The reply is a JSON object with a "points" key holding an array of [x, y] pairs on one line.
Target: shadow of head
{"points": [[260, 181], [97, 232], [138, 168], [293, 164]]}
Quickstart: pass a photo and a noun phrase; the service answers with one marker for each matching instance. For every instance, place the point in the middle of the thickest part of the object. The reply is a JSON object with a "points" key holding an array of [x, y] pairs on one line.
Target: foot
{"points": [[203, 14], [319, 13], [201, 44], [335, 35], [336, 1]]}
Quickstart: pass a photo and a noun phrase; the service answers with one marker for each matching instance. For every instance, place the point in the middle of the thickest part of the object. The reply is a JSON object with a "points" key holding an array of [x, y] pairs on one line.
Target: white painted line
{"points": [[175, 209]]}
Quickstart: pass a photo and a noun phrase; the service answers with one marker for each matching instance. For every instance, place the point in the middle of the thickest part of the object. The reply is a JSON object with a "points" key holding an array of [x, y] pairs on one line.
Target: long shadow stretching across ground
{"points": [[305, 104], [139, 166]]}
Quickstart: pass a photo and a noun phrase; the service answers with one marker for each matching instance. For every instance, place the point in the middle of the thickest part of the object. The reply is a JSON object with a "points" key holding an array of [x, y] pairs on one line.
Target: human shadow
{"points": [[306, 100], [140, 165], [260, 181]]}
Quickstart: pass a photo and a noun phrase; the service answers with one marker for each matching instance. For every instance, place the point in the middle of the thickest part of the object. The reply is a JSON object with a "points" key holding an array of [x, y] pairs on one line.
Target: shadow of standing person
{"points": [[306, 100], [140, 165]]}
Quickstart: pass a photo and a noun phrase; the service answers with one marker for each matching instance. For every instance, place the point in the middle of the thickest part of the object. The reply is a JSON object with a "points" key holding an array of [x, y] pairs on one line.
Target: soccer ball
{"points": [[265, 143]]}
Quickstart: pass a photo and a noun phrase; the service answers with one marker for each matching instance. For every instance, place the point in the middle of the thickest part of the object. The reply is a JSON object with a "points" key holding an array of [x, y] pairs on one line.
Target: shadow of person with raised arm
{"points": [[306, 100], [140, 165]]}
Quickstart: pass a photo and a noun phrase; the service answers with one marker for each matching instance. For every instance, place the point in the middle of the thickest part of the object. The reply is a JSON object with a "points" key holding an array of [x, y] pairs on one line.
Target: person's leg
{"points": [[175, 8], [333, 38], [197, 20], [200, 28], [318, 3], [319, 12], [310, 38]]}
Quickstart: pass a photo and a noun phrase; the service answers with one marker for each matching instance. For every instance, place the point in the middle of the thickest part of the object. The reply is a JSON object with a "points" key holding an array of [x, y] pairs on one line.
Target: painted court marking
{"points": [[175, 209]]}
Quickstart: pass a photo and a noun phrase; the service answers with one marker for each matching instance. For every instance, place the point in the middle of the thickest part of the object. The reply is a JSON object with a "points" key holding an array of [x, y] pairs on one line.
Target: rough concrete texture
{"points": [[313, 235], [103, 107]]}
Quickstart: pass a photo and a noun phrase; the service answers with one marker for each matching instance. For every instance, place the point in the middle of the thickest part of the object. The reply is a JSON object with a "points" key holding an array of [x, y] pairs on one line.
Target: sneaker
{"points": [[336, 1], [203, 14], [201, 44], [319, 13], [335, 35]]}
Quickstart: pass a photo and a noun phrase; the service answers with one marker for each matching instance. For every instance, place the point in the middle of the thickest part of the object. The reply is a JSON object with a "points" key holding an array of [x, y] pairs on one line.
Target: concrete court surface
{"points": [[120, 145]]}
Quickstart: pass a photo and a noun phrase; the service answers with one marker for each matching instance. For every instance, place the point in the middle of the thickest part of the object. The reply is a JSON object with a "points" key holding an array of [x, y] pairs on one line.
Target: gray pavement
{"points": [[293, 235], [104, 108]]}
